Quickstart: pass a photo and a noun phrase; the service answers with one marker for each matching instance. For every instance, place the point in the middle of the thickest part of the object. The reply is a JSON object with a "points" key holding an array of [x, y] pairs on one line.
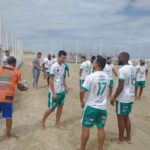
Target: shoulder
{"points": [[82, 64], [112, 65], [146, 66], [16, 71], [90, 77], [54, 65]]}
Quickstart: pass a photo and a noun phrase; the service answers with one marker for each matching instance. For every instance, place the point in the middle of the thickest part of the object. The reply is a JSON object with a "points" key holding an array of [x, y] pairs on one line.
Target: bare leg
{"points": [[46, 114], [110, 92], [101, 138], [58, 115], [121, 127], [84, 138], [33, 83], [140, 93], [136, 93], [8, 128], [48, 80], [128, 129]]}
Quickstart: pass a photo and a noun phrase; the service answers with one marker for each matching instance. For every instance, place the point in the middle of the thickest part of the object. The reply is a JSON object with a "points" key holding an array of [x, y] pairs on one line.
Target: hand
{"points": [[112, 101], [54, 96], [66, 91], [23, 89], [82, 104]]}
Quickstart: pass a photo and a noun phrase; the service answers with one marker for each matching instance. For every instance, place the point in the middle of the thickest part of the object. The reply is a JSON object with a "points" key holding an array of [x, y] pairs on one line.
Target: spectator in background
{"points": [[54, 59], [36, 69], [92, 63], [47, 63], [110, 70], [141, 74], [85, 69], [4, 59]]}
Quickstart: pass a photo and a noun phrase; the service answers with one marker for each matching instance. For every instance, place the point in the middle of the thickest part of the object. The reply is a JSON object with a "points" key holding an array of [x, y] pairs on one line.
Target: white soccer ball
{"points": [[25, 84]]}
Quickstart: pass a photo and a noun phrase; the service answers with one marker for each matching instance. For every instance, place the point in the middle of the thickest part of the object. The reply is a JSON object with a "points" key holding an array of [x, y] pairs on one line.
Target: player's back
{"points": [[98, 87], [9, 77], [128, 74]]}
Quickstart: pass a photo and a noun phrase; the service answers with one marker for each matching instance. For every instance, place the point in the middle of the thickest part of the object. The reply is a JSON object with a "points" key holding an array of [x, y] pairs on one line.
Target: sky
{"points": [[111, 25]]}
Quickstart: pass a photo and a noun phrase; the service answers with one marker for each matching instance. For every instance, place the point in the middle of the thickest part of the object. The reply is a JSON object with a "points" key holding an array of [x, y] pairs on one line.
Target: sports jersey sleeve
{"points": [[86, 84], [4, 59], [81, 67], [52, 71], [67, 68], [113, 67], [121, 75], [146, 67], [18, 77]]}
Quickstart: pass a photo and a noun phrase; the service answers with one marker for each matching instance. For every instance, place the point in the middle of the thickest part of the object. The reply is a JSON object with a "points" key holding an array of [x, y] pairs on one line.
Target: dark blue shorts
{"points": [[6, 109]]}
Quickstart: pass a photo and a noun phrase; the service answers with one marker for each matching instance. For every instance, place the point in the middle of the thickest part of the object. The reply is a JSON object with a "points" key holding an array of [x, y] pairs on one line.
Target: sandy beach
{"points": [[29, 107]]}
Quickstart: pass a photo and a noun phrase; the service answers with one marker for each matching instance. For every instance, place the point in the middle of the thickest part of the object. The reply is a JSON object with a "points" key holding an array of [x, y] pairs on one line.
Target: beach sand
{"points": [[29, 107]]}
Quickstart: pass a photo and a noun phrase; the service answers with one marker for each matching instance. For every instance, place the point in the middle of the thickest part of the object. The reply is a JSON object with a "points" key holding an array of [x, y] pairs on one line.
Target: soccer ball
{"points": [[25, 84]]}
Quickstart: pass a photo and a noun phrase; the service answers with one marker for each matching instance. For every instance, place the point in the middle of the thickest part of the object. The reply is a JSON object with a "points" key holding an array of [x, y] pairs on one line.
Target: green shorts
{"points": [[123, 108], [59, 101], [111, 84], [81, 82], [91, 116], [140, 84]]}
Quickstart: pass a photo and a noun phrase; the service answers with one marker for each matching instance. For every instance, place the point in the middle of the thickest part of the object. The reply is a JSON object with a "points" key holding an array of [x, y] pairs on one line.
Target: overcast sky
{"points": [[45, 24]]}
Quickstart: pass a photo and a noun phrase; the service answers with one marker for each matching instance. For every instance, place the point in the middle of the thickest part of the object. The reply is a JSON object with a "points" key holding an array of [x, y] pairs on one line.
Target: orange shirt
{"points": [[9, 77]]}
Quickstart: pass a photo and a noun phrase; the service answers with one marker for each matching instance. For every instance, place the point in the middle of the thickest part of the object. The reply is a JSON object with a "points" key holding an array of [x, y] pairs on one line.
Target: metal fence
{"points": [[8, 41]]}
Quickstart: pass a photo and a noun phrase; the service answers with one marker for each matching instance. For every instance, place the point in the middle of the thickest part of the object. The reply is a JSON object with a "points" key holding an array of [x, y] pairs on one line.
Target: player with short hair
{"points": [[9, 78], [110, 70], [93, 98], [57, 89], [36, 69], [124, 97], [85, 69], [4, 59], [47, 63], [141, 74]]}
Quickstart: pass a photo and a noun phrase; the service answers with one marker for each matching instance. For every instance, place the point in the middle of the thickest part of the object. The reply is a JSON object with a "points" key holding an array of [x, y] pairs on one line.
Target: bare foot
{"points": [[8, 137], [117, 141], [128, 140], [43, 125], [57, 126]]}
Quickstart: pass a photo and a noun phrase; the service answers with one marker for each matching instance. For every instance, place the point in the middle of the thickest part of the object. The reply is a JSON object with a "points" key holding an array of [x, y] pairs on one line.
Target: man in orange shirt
{"points": [[9, 77]]}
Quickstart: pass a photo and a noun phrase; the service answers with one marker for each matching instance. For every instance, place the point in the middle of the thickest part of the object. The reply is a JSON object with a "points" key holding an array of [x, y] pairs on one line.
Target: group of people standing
{"points": [[94, 85], [96, 82]]}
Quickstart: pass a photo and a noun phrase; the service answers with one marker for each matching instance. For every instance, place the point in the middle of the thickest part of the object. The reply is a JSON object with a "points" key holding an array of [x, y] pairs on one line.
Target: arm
{"points": [[51, 79], [118, 91], [68, 73], [146, 72], [80, 72], [64, 83], [20, 87], [115, 73], [82, 92]]}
